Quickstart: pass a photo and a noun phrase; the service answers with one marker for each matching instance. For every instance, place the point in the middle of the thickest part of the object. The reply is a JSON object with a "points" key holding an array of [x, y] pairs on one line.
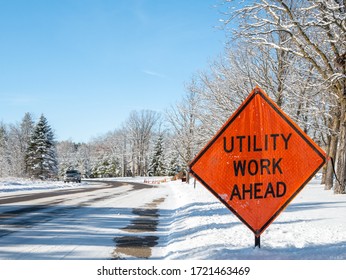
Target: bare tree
{"points": [[183, 119], [124, 154], [66, 151], [4, 149], [316, 33], [15, 141], [140, 127]]}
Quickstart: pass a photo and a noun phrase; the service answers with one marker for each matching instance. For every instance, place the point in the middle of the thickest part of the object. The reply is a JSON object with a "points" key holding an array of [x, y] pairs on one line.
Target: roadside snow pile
{"points": [[313, 226], [20, 185]]}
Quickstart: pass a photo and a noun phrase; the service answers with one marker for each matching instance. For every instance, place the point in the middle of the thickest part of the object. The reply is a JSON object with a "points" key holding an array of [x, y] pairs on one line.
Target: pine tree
{"points": [[157, 166], [174, 165], [41, 160]]}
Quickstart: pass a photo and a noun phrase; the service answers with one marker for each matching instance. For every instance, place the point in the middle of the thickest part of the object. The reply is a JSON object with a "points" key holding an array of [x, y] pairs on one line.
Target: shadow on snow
{"points": [[102, 226]]}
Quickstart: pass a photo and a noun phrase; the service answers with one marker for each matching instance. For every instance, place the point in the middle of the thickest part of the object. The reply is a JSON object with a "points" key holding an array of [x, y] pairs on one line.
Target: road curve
{"points": [[22, 215]]}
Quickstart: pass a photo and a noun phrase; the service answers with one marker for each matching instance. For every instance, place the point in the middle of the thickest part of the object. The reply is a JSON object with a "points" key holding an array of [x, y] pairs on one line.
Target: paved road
{"points": [[102, 220]]}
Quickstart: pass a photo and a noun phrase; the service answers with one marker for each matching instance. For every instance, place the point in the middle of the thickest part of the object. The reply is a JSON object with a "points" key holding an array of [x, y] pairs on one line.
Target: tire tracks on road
{"points": [[140, 233], [14, 216]]}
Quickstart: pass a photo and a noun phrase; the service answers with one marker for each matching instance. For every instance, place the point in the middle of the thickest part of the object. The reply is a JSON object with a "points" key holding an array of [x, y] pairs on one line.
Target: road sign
{"points": [[257, 162]]}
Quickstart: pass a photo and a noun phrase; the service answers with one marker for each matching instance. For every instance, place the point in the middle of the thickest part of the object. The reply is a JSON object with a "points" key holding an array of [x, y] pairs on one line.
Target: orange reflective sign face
{"points": [[258, 162]]}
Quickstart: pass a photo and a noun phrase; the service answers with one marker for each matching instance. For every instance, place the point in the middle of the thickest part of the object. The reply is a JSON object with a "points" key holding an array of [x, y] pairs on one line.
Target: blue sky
{"points": [[86, 64]]}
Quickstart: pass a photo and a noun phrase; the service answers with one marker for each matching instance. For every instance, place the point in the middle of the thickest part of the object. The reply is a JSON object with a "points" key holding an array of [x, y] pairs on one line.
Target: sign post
{"points": [[257, 241], [257, 162]]}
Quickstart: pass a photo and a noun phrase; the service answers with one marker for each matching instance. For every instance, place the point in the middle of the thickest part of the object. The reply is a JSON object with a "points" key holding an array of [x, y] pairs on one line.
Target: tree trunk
{"points": [[340, 185], [332, 153], [325, 167], [187, 176]]}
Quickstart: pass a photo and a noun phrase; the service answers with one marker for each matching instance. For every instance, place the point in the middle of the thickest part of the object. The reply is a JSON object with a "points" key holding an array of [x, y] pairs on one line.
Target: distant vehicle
{"points": [[72, 176]]}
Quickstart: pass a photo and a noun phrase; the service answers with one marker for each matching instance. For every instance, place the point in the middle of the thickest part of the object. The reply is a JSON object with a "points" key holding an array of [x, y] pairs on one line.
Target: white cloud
{"points": [[153, 73]]}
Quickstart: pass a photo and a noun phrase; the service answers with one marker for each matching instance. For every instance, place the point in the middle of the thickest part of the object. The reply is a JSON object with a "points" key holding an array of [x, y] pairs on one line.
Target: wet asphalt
{"points": [[139, 235]]}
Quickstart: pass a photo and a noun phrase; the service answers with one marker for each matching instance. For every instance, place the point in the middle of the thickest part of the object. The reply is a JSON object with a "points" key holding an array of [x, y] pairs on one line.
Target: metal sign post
{"points": [[257, 241]]}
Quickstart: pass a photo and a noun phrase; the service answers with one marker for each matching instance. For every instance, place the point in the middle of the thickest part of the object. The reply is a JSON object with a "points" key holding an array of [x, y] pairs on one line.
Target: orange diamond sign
{"points": [[257, 162]]}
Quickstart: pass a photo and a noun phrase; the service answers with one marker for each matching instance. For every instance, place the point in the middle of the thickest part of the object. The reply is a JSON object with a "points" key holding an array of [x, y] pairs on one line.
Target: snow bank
{"points": [[23, 185], [313, 226]]}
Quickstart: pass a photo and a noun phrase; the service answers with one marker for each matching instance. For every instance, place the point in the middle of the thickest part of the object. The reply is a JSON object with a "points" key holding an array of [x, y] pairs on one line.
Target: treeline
{"points": [[140, 148]]}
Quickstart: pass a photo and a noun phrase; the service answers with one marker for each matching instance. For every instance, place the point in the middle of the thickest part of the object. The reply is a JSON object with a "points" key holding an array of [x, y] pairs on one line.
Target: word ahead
{"points": [[258, 191], [258, 162]]}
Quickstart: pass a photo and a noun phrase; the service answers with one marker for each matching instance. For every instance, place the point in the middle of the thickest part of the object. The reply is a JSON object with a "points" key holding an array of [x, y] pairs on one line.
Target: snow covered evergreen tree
{"points": [[41, 159], [174, 166], [106, 166], [157, 166]]}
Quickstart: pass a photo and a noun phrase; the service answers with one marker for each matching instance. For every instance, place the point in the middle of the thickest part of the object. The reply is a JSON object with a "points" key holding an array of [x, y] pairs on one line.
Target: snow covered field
{"points": [[192, 225]]}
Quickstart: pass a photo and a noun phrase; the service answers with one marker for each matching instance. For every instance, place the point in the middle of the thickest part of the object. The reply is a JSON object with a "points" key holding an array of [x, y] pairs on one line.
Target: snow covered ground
{"points": [[18, 186], [313, 226], [192, 225]]}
